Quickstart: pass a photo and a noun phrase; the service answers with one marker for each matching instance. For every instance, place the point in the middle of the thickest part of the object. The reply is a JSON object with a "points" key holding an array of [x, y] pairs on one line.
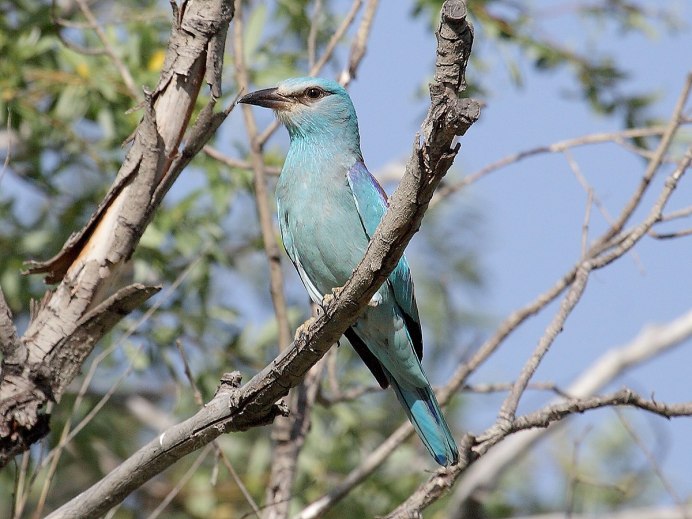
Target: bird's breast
{"points": [[320, 221]]}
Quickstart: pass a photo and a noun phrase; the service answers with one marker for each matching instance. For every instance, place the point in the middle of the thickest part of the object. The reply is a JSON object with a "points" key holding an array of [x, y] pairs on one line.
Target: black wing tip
{"points": [[368, 358]]}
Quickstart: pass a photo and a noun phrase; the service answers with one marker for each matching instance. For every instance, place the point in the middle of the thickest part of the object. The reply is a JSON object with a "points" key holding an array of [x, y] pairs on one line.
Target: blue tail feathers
{"points": [[424, 413]]}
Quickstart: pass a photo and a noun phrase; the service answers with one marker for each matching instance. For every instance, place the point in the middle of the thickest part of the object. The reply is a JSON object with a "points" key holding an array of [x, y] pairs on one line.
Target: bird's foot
{"points": [[303, 329]]}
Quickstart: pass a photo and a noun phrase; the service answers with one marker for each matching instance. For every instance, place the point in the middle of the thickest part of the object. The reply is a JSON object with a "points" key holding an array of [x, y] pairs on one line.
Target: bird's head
{"points": [[312, 109]]}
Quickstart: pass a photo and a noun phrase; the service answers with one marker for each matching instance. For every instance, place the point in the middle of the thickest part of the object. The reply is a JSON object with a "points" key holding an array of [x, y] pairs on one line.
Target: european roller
{"points": [[329, 206]]}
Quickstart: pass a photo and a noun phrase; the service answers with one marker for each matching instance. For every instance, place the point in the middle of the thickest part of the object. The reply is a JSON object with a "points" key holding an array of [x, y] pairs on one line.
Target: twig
{"points": [[336, 37], [680, 213], [586, 222], [654, 163], [261, 195], [673, 215], [651, 459], [231, 162], [217, 448], [346, 396], [509, 406], [670, 235], [359, 43], [181, 483], [10, 141], [557, 147], [440, 482], [624, 397], [374, 460], [574, 166], [243, 489], [314, 29], [650, 342], [19, 501], [573, 474], [196, 393], [629, 513], [501, 387], [623, 242], [108, 49]]}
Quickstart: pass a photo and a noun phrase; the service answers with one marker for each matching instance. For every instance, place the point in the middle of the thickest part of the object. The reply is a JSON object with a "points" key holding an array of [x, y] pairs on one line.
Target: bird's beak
{"points": [[268, 98]]}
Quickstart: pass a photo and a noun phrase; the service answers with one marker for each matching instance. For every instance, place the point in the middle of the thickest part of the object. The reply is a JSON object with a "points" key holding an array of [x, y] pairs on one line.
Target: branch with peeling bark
{"points": [[80, 310]]}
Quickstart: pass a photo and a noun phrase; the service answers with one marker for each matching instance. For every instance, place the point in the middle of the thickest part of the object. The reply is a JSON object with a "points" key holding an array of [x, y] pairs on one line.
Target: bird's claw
{"points": [[303, 329]]}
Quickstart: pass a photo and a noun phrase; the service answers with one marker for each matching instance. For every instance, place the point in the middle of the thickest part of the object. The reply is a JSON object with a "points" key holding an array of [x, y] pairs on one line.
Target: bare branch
{"points": [[108, 49], [232, 162], [667, 138], [509, 406], [271, 248], [312, 35], [443, 479], [557, 147], [360, 43], [651, 459]]}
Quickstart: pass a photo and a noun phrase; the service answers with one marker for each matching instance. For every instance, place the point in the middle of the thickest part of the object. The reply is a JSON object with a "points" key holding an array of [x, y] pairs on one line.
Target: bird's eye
{"points": [[314, 93]]}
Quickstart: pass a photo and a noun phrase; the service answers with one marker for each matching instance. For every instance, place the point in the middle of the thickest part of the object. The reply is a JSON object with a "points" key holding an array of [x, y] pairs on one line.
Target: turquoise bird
{"points": [[329, 207]]}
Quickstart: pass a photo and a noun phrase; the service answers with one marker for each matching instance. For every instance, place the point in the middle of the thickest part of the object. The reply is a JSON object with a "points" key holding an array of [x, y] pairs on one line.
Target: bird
{"points": [[329, 206]]}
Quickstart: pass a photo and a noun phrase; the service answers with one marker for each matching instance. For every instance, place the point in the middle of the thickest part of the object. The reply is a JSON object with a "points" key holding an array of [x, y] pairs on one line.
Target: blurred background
{"points": [[546, 72]]}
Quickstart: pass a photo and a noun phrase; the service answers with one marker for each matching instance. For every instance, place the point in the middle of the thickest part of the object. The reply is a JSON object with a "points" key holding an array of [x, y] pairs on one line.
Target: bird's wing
{"points": [[371, 202], [287, 239]]}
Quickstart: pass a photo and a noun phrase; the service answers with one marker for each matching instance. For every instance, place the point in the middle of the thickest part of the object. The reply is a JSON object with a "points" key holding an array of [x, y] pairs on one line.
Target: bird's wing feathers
{"points": [[315, 295], [371, 202]]}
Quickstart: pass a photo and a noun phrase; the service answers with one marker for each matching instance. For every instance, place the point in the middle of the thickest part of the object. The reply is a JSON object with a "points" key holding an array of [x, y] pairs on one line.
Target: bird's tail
{"points": [[426, 416]]}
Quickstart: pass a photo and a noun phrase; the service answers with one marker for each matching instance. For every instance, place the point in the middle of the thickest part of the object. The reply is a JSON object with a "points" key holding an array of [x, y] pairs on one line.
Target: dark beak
{"points": [[268, 98]]}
